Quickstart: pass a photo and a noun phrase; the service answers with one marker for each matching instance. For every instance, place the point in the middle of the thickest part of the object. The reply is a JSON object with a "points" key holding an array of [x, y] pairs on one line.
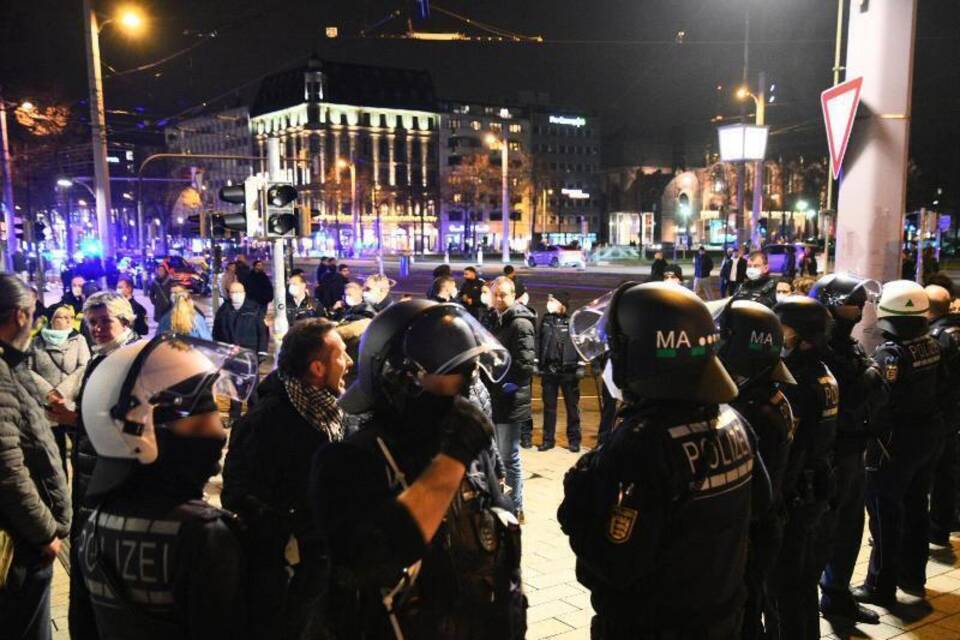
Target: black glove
{"points": [[465, 431]]}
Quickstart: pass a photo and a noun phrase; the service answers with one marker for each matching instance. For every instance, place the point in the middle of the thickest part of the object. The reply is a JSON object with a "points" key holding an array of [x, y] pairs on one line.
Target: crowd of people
{"points": [[373, 485]]}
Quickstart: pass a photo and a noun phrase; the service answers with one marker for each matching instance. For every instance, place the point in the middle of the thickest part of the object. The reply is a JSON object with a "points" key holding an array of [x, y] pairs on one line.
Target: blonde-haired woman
{"points": [[184, 317]]}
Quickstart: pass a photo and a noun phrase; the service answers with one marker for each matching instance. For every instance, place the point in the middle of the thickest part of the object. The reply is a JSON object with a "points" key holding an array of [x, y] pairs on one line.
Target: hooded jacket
{"points": [[515, 329]]}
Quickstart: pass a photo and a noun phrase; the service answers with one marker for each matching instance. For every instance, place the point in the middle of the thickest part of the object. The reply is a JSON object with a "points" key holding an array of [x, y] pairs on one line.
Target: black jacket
{"points": [[330, 288], [660, 528], [470, 292], [308, 308], [862, 390], [702, 265], [556, 354], [259, 288], [243, 327], [139, 318], [946, 331], [656, 270], [725, 267], [68, 300], [159, 295], [913, 369], [763, 291], [515, 329]]}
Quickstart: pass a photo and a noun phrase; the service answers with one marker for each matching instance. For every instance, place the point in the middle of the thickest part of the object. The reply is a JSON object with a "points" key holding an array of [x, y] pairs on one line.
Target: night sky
{"points": [[618, 58]]}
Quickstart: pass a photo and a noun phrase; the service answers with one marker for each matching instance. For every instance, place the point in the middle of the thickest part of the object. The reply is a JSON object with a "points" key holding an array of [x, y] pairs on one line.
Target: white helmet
{"points": [[154, 382], [903, 303]]}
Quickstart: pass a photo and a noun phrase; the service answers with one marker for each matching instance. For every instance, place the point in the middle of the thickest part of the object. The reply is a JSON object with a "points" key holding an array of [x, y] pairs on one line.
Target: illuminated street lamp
{"points": [[492, 142], [343, 163], [759, 101]]}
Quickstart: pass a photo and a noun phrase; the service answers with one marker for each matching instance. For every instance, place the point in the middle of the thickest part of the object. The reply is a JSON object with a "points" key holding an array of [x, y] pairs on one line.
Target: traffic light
{"points": [[282, 217], [39, 231], [248, 195]]}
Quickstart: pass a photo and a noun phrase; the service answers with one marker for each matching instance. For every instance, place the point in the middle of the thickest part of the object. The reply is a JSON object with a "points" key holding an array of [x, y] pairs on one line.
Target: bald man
{"points": [[945, 328]]}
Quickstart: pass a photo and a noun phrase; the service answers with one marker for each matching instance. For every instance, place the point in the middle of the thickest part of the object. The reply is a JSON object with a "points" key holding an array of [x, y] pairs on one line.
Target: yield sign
{"points": [[839, 105]]}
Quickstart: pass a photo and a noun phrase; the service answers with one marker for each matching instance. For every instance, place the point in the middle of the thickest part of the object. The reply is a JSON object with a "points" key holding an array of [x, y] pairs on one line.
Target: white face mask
{"points": [[782, 296], [485, 299], [352, 302], [754, 273], [295, 290], [236, 299], [607, 378], [370, 296], [553, 306]]}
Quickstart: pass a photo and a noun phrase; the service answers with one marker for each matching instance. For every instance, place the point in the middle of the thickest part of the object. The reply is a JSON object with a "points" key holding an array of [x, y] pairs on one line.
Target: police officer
{"points": [[901, 458], [157, 560], [658, 516], [945, 329], [807, 484], [861, 387], [751, 340], [423, 544]]}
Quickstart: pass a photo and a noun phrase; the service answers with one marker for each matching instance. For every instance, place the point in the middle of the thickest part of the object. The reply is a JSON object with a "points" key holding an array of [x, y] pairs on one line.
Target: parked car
{"points": [[777, 255], [187, 275], [556, 256]]}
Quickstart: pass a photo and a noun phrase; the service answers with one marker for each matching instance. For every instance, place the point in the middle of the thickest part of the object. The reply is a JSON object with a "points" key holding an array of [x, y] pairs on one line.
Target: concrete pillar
{"points": [[392, 151], [323, 156], [375, 143], [336, 152], [870, 209], [424, 160], [409, 142]]}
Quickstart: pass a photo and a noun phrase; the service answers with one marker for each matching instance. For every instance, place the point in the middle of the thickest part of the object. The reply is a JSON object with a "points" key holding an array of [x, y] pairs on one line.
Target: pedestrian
{"points": [[518, 284], [376, 292], [58, 357], [784, 289], [861, 388], [243, 267], [758, 286], [930, 263], [184, 317], [673, 274], [514, 327], [561, 369], [901, 458], [34, 502], [661, 548], [227, 278], [445, 289], [808, 263], [161, 562], [751, 339], [300, 305], [159, 293], [702, 266], [258, 285], [725, 266], [807, 486], [790, 262], [908, 265], [738, 271], [471, 288], [333, 284], [352, 306], [242, 322], [417, 487], [74, 296], [266, 474], [125, 288], [440, 271], [657, 267], [945, 329]]}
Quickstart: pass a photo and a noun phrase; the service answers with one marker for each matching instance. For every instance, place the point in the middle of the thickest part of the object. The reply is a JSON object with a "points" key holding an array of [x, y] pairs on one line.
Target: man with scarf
{"points": [[266, 475], [109, 318], [422, 542], [157, 560]]}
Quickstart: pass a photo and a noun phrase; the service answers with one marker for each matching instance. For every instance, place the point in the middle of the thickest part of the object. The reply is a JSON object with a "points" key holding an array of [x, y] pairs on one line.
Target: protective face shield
{"points": [[144, 386], [586, 327]]}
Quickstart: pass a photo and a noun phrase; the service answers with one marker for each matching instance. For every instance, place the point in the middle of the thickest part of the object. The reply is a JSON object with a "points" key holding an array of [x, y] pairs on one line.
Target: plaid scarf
{"points": [[317, 406]]}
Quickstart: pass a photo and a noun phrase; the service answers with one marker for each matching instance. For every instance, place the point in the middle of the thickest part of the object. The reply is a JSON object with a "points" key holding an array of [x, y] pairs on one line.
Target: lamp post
{"points": [[492, 142], [743, 143], [343, 163], [8, 205], [759, 100], [132, 22]]}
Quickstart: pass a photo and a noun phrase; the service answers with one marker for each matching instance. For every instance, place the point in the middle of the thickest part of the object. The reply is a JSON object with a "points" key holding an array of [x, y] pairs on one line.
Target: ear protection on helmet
{"points": [[127, 400]]}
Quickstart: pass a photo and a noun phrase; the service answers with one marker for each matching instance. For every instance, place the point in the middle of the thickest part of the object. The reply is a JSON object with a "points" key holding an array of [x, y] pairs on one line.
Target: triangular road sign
{"points": [[839, 106]]}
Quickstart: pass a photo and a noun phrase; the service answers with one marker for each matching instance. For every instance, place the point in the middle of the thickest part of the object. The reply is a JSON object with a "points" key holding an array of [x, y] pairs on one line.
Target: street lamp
{"points": [[492, 142], [743, 143], [132, 22], [343, 163]]}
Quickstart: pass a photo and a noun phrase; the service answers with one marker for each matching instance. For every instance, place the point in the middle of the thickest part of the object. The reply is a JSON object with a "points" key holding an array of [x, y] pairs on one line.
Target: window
{"points": [[457, 198], [515, 146], [516, 128], [475, 125], [496, 127], [454, 123]]}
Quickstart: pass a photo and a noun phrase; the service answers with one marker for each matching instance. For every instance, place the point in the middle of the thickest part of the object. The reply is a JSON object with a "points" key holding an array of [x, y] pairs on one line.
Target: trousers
{"points": [[569, 384]]}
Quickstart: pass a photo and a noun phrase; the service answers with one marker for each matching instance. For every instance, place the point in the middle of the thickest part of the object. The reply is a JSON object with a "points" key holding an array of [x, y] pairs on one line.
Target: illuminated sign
{"points": [[113, 159], [575, 194], [573, 122]]}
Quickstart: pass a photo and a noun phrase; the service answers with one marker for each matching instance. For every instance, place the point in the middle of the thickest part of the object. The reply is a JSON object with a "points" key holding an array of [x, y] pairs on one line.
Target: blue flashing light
{"points": [[91, 248]]}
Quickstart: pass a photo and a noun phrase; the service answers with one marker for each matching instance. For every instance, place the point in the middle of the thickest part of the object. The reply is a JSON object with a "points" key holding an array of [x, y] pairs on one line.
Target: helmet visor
{"points": [[489, 354], [587, 327], [189, 376]]}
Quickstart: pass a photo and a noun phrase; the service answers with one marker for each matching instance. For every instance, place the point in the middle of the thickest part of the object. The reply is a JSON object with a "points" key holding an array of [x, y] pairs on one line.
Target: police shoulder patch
{"points": [[621, 522]]}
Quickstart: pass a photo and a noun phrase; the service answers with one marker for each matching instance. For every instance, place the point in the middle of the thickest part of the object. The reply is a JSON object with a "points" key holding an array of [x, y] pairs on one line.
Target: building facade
{"points": [[361, 144], [470, 175]]}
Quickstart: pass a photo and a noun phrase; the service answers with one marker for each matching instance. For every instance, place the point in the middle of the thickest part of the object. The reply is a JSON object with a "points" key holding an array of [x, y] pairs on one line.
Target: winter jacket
{"points": [[657, 267], [243, 327], [470, 292], [34, 503], [702, 266], [259, 288], [139, 318], [308, 308], [515, 329], [159, 295], [59, 367], [555, 351]]}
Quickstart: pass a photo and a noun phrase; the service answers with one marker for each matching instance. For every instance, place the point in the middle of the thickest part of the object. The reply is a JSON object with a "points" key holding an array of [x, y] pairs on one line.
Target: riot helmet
{"points": [[840, 289], [146, 386], [661, 343], [751, 340], [807, 317], [902, 309]]}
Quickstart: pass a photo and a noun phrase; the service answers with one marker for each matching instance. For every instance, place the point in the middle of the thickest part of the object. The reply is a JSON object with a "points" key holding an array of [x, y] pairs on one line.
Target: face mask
{"points": [[607, 378], [782, 296], [113, 345], [485, 299], [55, 336], [553, 306], [295, 290], [754, 273], [352, 302], [237, 299], [77, 291], [370, 296]]}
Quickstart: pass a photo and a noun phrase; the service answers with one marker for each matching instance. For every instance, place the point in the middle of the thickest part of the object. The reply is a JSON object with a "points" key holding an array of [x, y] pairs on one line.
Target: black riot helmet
{"points": [[662, 345], [751, 339], [807, 317], [374, 349], [839, 289]]}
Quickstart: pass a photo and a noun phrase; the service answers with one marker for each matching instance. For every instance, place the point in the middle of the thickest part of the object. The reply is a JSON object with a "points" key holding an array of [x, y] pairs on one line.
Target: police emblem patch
{"points": [[620, 525]]}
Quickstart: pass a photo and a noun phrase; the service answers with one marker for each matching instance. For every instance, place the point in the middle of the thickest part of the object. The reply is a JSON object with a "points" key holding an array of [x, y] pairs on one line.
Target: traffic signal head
{"points": [[282, 220], [234, 194], [281, 195]]}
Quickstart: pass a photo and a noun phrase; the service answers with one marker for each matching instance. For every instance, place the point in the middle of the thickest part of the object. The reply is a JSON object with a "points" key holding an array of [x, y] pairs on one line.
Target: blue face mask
{"points": [[55, 336]]}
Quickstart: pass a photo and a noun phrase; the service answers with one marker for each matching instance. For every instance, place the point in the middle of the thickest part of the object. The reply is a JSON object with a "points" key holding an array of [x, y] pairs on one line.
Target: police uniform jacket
{"points": [[946, 331], [862, 389], [658, 518], [911, 367]]}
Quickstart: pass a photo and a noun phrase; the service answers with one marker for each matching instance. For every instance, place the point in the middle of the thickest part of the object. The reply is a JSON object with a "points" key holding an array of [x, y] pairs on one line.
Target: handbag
{"points": [[6, 556]]}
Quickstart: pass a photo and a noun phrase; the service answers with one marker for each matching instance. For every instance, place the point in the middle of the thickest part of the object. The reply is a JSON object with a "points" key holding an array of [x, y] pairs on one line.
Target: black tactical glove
{"points": [[465, 431]]}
